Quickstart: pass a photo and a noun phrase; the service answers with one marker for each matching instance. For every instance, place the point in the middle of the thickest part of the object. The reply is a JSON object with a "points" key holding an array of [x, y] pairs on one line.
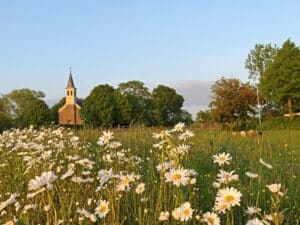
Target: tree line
{"points": [[272, 90], [129, 104]]}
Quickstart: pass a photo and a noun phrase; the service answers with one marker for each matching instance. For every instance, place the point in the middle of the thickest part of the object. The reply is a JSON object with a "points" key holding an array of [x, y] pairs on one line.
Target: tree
{"points": [[19, 100], [232, 100], [5, 117], [137, 101], [259, 59], [125, 109], [183, 116], [205, 116], [36, 113], [54, 110], [100, 107], [281, 80], [166, 105]]}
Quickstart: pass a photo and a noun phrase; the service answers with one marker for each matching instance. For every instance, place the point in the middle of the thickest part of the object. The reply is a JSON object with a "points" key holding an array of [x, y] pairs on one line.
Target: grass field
{"points": [[97, 181]]}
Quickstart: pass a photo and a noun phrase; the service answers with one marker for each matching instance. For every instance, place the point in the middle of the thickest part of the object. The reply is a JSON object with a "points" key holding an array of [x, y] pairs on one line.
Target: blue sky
{"points": [[184, 44]]}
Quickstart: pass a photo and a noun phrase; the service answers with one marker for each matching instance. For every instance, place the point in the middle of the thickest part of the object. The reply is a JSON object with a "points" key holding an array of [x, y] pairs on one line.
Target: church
{"points": [[69, 114]]}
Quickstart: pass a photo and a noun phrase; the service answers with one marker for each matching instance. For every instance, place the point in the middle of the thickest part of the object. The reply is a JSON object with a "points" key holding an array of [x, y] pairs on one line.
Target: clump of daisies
{"points": [[41, 183], [183, 212]]}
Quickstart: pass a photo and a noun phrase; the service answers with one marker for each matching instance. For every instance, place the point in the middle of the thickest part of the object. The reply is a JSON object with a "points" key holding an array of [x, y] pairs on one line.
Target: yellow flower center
{"points": [[211, 220], [187, 212], [125, 181], [223, 206], [176, 176], [222, 158], [102, 209], [229, 198]]}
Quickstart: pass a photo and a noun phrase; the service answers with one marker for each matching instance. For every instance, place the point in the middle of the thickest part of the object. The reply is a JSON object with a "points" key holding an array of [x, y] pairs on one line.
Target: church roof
{"points": [[70, 82]]}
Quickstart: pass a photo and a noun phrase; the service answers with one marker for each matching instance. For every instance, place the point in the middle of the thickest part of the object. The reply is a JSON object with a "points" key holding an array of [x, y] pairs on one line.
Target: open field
{"points": [[97, 181]]}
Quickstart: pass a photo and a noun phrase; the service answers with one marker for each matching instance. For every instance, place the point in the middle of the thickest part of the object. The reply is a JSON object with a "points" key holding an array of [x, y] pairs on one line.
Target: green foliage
{"points": [[5, 121], [205, 116], [22, 103], [280, 123], [259, 59], [5, 118], [133, 102], [125, 108], [100, 107], [281, 81], [36, 113], [183, 116], [54, 110], [166, 105]]}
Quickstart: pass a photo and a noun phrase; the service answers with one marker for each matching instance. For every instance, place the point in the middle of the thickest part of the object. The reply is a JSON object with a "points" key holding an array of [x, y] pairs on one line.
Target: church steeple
{"points": [[70, 82], [70, 91]]}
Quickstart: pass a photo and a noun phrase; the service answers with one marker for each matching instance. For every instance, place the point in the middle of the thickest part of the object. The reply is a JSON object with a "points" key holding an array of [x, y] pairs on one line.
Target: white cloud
{"points": [[196, 93]]}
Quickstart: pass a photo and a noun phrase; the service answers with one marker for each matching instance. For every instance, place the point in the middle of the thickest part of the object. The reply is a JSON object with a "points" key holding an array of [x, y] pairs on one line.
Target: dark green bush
{"points": [[281, 123]]}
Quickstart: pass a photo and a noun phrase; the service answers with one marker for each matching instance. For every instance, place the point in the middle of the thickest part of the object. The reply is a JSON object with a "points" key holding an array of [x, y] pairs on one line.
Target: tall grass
{"points": [[138, 157]]}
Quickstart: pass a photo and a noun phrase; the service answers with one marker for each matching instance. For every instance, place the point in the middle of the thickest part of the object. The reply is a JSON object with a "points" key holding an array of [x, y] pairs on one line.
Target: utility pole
{"points": [[258, 102]]}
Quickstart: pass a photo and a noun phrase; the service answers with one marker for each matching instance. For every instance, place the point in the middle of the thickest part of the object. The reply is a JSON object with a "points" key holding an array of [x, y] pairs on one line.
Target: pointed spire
{"points": [[70, 82]]}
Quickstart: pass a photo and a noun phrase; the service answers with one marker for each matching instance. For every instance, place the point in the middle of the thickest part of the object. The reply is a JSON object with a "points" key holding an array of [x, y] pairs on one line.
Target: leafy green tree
{"points": [[125, 108], [100, 107], [281, 80], [54, 110], [183, 116], [36, 113], [5, 117], [137, 101], [205, 116], [18, 104], [259, 59], [166, 105], [232, 100], [5, 121]]}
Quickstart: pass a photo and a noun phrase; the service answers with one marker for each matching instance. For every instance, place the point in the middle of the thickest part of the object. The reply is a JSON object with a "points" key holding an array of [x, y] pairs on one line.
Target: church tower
{"points": [[70, 91], [69, 114]]}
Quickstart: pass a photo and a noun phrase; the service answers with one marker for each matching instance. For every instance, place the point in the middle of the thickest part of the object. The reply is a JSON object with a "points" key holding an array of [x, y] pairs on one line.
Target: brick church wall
{"points": [[66, 115]]}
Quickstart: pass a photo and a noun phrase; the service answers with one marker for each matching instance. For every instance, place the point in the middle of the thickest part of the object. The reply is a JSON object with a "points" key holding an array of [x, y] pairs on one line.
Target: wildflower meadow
{"points": [[148, 176]]}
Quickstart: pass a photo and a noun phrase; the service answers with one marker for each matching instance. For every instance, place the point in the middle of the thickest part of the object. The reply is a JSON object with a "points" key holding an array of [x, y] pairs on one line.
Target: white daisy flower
{"points": [[124, 183], [11, 200], [164, 216], [182, 149], [221, 207], [251, 210], [105, 138], [102, 209], [222, 158], [231, 196], [186, 211], [178, 176], [225, 177], [176, 213], [186, 135], [255, 221], [140, 188], [265, 164], [274, 188], [45, 180], [211, 218], [179, 127], [251, 175], [162, 134], [10, 222]]}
